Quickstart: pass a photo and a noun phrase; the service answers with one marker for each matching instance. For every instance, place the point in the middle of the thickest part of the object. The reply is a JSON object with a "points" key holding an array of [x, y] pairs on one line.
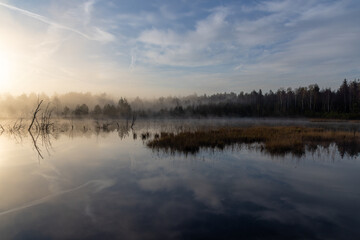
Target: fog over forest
{"points": [[310, 101]]}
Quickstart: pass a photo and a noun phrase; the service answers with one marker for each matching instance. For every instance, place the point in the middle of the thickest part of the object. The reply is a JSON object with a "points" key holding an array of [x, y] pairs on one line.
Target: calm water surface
{"points": [[109, 185]]}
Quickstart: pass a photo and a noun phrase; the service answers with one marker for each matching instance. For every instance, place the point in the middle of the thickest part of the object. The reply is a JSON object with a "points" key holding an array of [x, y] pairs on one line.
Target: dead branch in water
{"points": [[34, 116], [16, 127], [45, 121], [38, 150], [133, 122]]}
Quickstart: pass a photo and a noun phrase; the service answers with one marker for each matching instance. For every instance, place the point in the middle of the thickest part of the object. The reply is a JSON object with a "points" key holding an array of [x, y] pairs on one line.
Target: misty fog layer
{"points": [[310, 101]]}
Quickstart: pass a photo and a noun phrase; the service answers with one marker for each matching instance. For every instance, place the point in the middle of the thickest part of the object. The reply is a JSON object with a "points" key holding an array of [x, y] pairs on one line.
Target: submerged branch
{"points": [[133, 122], [35, 145]]}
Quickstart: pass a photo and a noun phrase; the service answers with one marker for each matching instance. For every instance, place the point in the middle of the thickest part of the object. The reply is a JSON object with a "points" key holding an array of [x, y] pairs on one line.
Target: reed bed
{"points": [[275, 140]]}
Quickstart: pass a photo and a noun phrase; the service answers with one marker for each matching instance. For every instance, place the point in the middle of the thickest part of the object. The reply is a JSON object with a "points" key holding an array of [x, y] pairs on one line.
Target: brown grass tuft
{"points": [[276, 140]]}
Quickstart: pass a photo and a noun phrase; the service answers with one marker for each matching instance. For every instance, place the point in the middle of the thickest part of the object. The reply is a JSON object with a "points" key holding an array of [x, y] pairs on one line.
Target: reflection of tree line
{"points": [[42, 140], [43, 128]]}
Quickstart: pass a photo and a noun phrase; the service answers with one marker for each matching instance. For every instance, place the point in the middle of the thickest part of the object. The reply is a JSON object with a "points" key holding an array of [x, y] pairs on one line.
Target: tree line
{"points": [[310, 101], [121, 110]]}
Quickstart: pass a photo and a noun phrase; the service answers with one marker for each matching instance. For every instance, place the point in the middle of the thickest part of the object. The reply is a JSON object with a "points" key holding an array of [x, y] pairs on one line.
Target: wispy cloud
{"points": [[291, 35], [133, 61], [88, 8], [102, 36], [184, 46], [191, 48], [98, 34]]}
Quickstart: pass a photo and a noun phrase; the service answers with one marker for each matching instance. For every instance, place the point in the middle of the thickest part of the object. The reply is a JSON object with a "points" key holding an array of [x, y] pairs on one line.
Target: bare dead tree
{"points": [[133, 121], [34, 116], [2, 129]]}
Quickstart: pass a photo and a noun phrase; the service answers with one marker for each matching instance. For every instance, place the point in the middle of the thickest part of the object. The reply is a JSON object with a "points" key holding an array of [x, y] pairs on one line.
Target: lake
{"points": [[97, 184]]}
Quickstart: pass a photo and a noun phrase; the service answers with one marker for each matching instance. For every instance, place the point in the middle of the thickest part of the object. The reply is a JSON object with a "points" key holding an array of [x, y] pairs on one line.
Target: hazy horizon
{"points": [[115, 96], [153, 49]]}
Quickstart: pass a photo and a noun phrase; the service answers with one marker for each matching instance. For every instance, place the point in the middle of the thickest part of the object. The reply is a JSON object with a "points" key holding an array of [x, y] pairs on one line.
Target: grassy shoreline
{"points": [[277, 140]]}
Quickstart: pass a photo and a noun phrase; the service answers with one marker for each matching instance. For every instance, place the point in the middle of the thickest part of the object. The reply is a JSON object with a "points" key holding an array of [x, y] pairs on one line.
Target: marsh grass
{"points": [[277, 140], [333, 120]]}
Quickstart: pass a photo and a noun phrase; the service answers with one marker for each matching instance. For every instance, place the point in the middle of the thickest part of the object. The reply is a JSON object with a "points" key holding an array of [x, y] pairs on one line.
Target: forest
{"points": [[310, 101]]}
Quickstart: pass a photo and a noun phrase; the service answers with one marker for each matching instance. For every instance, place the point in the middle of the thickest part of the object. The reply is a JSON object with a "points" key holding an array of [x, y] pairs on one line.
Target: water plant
{"points": [[275, 140]]}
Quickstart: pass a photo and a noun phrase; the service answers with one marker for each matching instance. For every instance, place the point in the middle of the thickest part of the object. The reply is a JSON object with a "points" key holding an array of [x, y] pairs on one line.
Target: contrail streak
{"points": [[45, 20], [99, 184]]}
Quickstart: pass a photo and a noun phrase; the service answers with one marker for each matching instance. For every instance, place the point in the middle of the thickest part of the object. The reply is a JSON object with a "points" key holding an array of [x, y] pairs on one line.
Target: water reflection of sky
{"points": [[104, 187]]}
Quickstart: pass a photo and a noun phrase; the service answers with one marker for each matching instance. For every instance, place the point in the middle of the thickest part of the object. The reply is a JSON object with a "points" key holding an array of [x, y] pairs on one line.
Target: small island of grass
{"points": [[277, 140]]}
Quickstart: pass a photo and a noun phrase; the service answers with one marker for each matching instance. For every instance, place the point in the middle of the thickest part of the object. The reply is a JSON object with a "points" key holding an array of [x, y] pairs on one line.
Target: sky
{"points": [[161, 48]]}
